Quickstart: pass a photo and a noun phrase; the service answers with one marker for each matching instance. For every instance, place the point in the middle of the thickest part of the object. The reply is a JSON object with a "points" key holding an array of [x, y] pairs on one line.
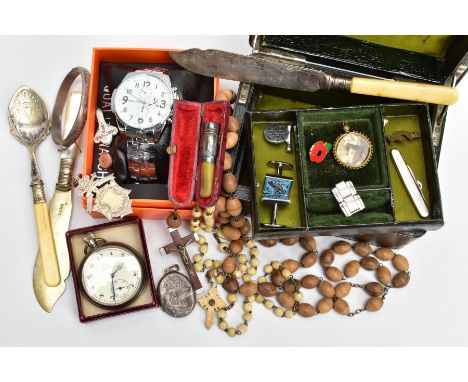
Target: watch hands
{"points": [[138, 99], [113, 287], [119, 267]]}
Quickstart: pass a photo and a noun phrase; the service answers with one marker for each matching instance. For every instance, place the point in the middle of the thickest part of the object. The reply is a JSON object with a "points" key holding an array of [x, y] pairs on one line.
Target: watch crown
{"points": [[90, 239]]}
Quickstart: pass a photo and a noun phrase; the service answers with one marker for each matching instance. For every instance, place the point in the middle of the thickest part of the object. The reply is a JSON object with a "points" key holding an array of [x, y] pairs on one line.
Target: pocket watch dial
{"points": [[143, 101], [112, 276]]}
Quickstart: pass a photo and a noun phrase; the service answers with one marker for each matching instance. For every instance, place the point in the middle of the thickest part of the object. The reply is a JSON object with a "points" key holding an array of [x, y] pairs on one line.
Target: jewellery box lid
{"points": [[424, 58], [433, 59]]}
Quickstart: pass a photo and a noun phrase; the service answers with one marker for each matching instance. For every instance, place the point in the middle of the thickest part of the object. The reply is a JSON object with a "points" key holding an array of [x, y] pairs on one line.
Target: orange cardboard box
{"points": [[144, 208]]}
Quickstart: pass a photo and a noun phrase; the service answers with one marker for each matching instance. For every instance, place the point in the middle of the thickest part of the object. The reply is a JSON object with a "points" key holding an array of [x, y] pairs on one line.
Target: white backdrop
{"points": [[432, 310]]}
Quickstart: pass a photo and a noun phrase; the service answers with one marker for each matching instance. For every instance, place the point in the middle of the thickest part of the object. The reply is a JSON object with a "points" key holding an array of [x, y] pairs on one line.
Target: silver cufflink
{"points": [[350, 202]]}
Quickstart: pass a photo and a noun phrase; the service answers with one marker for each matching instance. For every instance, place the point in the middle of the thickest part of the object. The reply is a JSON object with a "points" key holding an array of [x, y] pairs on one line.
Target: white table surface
{"points": [[432, 310]]}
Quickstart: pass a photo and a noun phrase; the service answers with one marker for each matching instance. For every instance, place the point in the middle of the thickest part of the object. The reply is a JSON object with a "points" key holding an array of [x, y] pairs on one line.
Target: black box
{"points": [[430, 59]]}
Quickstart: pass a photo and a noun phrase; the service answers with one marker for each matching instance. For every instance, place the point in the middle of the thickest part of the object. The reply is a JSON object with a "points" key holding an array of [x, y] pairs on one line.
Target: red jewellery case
{"points": [[186, 150]]}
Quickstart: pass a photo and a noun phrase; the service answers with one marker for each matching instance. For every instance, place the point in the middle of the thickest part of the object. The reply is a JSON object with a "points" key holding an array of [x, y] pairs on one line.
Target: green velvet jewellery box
{"points": [[390, 217]]}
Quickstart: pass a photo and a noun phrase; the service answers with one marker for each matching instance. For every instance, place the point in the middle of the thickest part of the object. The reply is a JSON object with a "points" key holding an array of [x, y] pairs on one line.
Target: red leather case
{"points": [[186, 151]]}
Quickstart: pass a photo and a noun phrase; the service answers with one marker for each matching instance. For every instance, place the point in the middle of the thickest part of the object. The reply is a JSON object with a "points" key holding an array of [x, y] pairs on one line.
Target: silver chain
{"points": [[357, 311]]}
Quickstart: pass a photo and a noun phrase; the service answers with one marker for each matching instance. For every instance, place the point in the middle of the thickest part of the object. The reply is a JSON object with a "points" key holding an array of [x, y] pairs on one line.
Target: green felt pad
{"points": [[327, 125], [340, 219], [413, 154], [325, 203], [280, 99], [323, 209], [288, 215], [432, 45]]}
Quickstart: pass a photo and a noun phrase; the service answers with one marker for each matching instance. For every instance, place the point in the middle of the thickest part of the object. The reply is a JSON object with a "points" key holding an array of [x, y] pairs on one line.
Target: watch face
{"points": [[112, 275], [143, 101]]}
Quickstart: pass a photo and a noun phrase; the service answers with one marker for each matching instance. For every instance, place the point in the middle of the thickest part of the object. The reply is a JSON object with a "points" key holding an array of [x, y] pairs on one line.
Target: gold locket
{"points": [[353, 149]]}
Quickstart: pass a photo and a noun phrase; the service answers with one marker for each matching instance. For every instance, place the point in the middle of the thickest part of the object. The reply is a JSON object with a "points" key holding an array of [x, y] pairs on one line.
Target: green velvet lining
{"points": [[372, 181], [327, 125], [280, 99], [325, 203], [288, 215], [413, 154], [323, 210], [432, 45], [340, 219]]}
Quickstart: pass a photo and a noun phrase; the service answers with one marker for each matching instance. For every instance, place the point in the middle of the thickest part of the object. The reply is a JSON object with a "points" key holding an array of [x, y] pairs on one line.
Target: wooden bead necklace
{"points": [[286, 288], [278, 279]]}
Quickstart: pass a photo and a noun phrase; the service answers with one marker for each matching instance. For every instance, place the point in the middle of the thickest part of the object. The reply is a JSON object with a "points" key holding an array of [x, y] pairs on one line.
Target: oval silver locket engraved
{"points": [[175, 293]]}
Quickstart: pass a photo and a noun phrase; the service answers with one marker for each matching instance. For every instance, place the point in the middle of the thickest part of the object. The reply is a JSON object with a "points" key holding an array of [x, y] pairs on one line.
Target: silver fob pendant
{"points": [[175, 293]]}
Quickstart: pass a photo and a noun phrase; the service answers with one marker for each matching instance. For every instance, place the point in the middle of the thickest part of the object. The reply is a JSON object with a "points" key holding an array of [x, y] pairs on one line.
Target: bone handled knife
{"points": [[264, 71], [60, 213]]}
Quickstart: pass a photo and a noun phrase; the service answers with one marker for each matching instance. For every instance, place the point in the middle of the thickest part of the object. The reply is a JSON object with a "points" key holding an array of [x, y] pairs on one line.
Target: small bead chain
{"points": [[223, 273], [207, 223]]}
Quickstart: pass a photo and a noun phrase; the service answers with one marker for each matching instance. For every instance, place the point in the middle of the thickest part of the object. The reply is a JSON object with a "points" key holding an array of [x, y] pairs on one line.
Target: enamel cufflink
{"points": [[276, 189]]}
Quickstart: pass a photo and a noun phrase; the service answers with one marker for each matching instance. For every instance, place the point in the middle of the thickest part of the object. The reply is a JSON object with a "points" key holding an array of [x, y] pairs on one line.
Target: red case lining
{"points": [[185, 162], [185, 139]]}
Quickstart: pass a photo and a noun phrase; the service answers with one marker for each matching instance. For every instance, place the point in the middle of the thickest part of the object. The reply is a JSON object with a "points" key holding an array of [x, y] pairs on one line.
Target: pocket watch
{"points": [[112, 275], [353, 149]]}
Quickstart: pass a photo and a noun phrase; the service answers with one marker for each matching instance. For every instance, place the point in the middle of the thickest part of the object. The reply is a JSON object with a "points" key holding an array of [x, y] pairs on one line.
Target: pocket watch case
{"points": [[109, 67], [186, 151], [129, 232], [391, 219]]}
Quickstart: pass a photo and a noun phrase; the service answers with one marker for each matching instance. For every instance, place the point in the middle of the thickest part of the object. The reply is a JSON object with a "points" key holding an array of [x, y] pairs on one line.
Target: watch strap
{"points": [[156, 69], [141, 160]]}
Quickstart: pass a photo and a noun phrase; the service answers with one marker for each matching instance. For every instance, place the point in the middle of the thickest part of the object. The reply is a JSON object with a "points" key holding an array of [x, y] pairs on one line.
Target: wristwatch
{"points": [[142, 104]]}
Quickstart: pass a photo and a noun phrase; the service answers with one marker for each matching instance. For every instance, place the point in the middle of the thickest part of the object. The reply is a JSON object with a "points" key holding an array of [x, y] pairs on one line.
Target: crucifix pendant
{"points": [[179, 245], [211, 302]]}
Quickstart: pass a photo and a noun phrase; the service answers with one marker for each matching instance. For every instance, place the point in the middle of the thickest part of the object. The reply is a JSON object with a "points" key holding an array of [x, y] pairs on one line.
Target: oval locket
{"points": [[175, 293], [353, 149]]}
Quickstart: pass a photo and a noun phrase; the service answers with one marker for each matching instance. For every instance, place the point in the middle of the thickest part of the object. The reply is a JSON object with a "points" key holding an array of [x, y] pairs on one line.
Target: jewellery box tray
{"points": [[389, 212]]}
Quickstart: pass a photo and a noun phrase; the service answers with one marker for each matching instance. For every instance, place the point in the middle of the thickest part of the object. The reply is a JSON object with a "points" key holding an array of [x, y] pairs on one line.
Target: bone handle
{"points": [[46, 239], [410, 91]]}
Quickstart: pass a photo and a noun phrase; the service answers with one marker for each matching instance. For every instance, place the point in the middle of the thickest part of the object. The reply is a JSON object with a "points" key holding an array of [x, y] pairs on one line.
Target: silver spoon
{"points": [[30, 124]]}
